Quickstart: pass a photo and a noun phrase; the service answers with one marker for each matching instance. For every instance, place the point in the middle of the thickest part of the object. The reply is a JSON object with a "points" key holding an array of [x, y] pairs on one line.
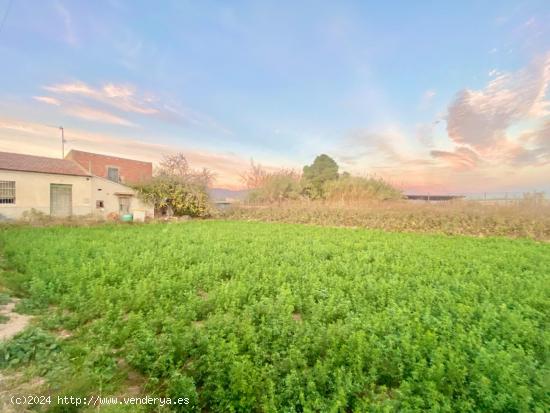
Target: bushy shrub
{"points": [[182, 198], [355, 188]]}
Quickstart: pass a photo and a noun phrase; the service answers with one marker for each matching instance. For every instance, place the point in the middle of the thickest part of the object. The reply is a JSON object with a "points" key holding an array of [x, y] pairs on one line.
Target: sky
{"points": [[439, 97]]}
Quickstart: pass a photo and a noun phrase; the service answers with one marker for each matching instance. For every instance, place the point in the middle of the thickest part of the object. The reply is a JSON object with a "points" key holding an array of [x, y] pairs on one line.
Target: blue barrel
{"points": [[127, 218]]}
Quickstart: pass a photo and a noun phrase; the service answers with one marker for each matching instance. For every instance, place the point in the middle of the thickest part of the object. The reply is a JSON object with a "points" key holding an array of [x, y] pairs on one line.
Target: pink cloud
{"points": [[480, 118], [461, 158], [97, 115], [79, 88], [536, 148], [121, 97], [479, 123], [47, 99], [126, 98]]}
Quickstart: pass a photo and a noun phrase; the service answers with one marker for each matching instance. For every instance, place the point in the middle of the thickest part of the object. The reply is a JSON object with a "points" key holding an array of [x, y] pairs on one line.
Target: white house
{"points": [[61, 188]]}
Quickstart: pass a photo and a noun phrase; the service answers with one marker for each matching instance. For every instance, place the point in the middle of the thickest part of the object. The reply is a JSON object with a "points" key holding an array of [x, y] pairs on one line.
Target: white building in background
{"points": [[60, 188]]}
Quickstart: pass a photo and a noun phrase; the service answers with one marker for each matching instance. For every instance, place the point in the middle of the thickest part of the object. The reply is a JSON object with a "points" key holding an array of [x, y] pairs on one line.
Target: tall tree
{"points": [[175, 166], [322, 170], [177, 188]]}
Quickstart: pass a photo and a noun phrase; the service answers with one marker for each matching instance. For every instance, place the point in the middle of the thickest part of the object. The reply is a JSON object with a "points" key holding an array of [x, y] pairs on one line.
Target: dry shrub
{"points": [[360, 189], [514, 219], [276, 187], [36, 218]]}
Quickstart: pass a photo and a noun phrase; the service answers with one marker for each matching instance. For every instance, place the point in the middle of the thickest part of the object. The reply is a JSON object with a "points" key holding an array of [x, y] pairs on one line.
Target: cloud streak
{"points": [[121, 97], [125, 98], [70, 34], [97, 115], [385, 151], [47, 99], [461, 158]]}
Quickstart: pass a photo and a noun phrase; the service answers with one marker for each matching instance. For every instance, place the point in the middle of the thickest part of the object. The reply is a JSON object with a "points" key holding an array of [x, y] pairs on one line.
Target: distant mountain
{"points": [[222, 194]]}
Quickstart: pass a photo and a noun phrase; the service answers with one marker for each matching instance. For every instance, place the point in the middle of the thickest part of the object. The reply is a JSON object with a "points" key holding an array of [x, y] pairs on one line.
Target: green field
{"points": [[283, 318]]}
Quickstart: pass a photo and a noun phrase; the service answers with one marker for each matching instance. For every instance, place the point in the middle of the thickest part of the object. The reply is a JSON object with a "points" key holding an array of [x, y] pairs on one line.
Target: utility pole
{"points": [[62, 142]]}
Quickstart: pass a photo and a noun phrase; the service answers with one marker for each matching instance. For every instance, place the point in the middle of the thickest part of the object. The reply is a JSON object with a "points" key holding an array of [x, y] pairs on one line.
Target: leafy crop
{"points": [[30, 345], [286, 318]]}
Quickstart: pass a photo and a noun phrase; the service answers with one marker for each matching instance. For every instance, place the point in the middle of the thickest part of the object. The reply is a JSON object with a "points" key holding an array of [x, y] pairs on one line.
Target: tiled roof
{"points": [[74, 152], [30, 163]]}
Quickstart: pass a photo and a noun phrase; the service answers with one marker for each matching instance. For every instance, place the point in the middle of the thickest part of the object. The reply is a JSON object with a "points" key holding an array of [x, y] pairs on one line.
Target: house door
{"points": [[61, 200], [123, 205]]}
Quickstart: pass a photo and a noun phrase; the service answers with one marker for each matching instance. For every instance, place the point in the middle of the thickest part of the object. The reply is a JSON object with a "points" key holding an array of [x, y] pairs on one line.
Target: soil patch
{"points": [[15, 323]]}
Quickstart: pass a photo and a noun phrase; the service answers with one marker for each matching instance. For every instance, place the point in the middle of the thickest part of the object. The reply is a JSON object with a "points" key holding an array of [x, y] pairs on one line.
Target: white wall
{"points": [[106, 191], [32, 190]]}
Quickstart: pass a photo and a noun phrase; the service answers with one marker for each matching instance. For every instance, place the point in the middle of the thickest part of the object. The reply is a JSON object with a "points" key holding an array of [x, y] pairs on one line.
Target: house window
{"points": [[7, 192], [112, 174], [99, 204]]}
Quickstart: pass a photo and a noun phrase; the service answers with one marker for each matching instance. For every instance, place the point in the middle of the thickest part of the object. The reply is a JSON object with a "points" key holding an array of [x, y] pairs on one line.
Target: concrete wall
{"points": [[109, 192], [32, 190]]}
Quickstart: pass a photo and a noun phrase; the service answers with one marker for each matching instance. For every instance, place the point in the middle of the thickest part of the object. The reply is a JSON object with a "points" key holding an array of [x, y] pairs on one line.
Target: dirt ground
{"points": [[16, 322], [9, 328]]}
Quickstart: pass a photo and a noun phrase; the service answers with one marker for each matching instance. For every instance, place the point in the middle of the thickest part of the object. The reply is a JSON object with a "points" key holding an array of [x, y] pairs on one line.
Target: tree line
{"points": [[319, 181], [180, 190]]}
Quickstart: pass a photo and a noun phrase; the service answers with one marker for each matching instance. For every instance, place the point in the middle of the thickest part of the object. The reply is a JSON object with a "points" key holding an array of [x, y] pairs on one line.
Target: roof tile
{"points": [[30, 163]]}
